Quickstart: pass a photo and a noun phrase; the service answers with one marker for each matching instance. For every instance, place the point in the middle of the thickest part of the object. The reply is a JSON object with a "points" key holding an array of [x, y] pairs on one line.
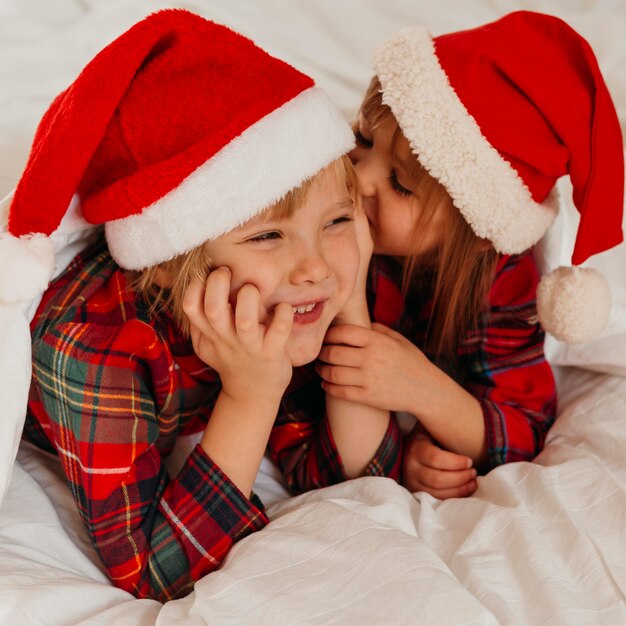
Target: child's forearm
{"points": [[357, 429], [452, 416], [236, 436]]}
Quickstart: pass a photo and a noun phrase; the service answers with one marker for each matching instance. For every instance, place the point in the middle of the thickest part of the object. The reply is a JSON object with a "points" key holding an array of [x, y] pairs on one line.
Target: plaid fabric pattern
{"points": [[502, 363], [302, 445], [113, 388]]}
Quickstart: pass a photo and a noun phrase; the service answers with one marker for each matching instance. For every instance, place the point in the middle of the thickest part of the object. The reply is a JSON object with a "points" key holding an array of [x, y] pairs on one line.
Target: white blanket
{"points": [[538, 543]]}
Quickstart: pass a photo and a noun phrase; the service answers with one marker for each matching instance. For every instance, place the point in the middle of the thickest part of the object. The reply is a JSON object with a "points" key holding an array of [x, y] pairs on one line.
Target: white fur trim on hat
{"points": [[450, 145], [573, 303], [253, 171]]}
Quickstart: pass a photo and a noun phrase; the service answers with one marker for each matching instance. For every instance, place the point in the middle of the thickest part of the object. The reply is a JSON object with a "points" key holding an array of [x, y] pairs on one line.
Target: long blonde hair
{"points": [[196, 263], [459, 272]]}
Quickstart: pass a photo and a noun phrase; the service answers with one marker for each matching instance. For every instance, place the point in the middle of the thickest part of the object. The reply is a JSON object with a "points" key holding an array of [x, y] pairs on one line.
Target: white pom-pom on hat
{"points": [[27, 265], [573, 303]]}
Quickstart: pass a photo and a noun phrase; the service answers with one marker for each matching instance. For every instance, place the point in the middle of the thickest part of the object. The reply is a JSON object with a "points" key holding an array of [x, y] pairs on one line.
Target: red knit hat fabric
{"points": [[175, 133], [498, 114]]}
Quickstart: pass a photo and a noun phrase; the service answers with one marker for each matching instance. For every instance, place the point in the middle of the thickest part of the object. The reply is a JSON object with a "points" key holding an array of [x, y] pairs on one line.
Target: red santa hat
{"points": [[497, 114], [175, 133]]}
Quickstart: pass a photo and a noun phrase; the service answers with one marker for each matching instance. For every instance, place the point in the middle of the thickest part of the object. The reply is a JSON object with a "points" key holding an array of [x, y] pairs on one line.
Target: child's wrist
{"points": [[425, 401], [247, 397]]}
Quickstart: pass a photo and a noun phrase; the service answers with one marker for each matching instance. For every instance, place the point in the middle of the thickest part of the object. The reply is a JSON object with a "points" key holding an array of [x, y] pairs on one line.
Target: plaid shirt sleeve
{"points": [[508, 372], [109, 397], [302, 445]]}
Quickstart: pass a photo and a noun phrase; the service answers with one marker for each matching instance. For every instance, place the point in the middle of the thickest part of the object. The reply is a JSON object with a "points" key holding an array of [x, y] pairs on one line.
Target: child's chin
{"points": [[302, 355]]}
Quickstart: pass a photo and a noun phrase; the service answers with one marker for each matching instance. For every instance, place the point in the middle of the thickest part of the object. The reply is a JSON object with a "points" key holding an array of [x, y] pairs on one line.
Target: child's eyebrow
{"points": [[346, 203], [263, 220]]}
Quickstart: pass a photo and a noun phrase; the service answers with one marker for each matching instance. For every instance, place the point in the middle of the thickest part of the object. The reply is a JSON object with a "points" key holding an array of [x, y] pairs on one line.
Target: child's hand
{"points": [[250, 358], [355, 310], [427, 467], [378, 367]]}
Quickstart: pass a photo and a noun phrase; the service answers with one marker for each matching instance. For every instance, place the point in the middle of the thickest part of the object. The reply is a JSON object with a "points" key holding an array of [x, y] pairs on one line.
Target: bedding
{"points": [[538, 543]]}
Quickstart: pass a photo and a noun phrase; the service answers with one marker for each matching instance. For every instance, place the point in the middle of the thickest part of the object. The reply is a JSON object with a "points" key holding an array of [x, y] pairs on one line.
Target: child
{"points": [[197, 151], [461, 140]]}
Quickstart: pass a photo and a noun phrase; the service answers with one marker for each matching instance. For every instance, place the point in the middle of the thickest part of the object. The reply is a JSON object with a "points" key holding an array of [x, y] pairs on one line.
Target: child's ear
{"points": [[162, 278]]}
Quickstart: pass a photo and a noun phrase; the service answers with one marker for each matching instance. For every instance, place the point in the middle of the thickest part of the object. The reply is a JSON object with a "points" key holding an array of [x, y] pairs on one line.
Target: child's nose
{"points": [[310, 266]]}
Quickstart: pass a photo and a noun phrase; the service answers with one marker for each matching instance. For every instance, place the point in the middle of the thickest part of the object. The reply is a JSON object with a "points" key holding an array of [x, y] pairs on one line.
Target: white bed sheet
{"points": [[539, 543]]}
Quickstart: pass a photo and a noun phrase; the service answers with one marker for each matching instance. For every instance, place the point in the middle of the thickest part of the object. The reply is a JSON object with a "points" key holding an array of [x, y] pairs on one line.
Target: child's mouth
{"points": [[307, 313]]}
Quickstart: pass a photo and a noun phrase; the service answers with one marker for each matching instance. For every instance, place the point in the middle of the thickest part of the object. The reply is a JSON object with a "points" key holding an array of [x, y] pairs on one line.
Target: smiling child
{"points": [[232, 240]]}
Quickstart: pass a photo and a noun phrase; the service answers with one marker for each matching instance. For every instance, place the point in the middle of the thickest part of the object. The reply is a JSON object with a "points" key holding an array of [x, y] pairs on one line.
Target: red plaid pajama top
{"points": [[112, 389], [502, 363]]}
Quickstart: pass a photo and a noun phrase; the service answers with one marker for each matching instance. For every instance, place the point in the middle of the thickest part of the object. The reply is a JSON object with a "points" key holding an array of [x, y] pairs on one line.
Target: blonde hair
{"points": [[196, 263], [458, 274]]}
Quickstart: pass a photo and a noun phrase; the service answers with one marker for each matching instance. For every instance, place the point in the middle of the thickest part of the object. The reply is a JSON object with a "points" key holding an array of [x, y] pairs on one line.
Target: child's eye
{"points": [[339, 220], [361, 140], [268, 236], [397, 187]]}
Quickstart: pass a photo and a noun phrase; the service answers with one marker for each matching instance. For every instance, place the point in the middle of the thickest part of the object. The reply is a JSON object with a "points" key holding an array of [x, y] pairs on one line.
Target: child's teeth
{"points": [[304, 309]]}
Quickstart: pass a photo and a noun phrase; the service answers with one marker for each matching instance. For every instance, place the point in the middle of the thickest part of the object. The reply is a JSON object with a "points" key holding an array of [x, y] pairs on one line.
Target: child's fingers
{"points": [[247, 313], [204, 347], [443, 479], [341, 355], [217, 309], [338, 375], [196, 337], [344, 392], [348, 334], [426, 452], [385, 330], [193, 297], [280, 327], [461, 491], [441, 459], [193, 305]]}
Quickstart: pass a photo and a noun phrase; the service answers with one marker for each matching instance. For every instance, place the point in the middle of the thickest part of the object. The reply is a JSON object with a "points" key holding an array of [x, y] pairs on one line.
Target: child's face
{"points": [[390, 197], [309, 260]]}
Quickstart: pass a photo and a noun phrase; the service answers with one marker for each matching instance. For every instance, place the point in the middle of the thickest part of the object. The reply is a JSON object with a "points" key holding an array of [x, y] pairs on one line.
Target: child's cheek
{"points": [[348, 263], [237, 282]]}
